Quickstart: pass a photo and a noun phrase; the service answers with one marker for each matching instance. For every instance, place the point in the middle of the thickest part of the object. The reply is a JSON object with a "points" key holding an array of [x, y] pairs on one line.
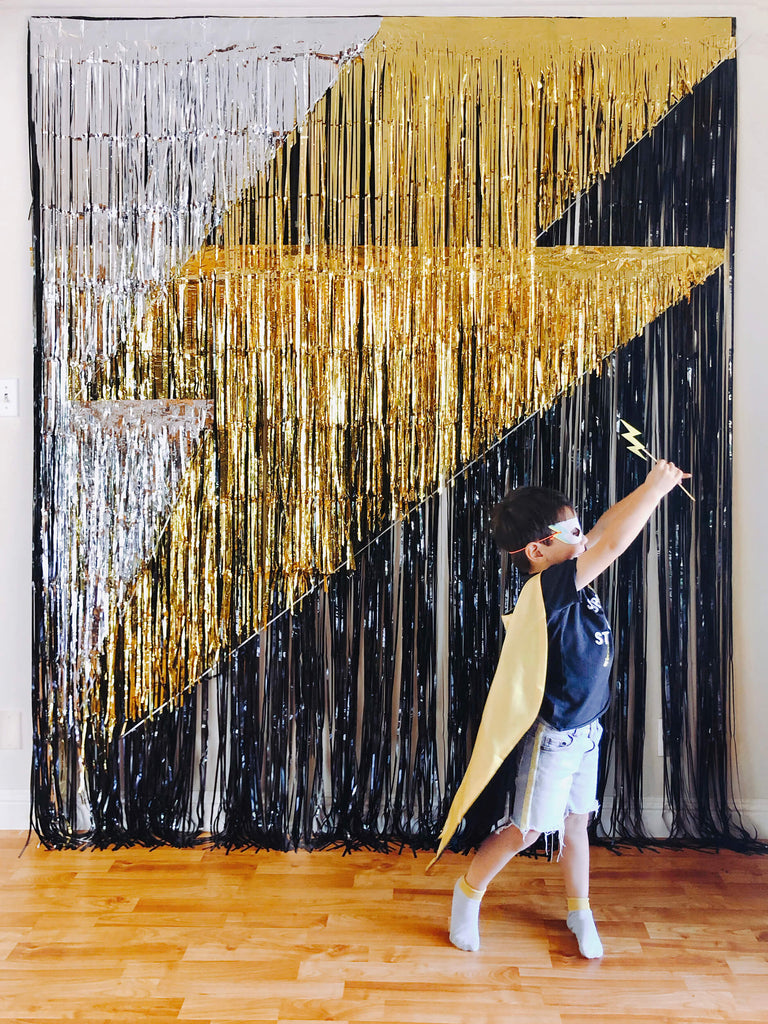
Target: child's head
{"points": [[526, 515]]}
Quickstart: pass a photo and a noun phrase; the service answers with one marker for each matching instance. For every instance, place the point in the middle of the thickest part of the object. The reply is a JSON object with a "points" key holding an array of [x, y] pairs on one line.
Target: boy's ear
{"points": [[533, 551]]}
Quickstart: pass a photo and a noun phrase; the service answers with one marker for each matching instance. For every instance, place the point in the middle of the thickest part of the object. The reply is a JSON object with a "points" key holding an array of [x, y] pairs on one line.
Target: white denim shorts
{"points": [[556, 776]]}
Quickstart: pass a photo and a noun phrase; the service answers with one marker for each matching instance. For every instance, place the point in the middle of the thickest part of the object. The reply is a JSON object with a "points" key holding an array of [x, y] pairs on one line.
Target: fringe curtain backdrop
{"points": [[310, 296]]}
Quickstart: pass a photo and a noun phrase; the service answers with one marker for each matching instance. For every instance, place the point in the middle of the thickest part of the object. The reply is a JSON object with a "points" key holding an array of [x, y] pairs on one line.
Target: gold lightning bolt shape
{"points": [[634, 440]]}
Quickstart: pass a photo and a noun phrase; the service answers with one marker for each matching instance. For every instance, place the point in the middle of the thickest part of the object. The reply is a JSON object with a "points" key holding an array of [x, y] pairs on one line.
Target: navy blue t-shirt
{"points": [[577, 688]]}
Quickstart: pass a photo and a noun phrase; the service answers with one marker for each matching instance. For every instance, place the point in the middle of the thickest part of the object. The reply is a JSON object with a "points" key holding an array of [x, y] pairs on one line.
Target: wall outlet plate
{"points": [[9, 396]]}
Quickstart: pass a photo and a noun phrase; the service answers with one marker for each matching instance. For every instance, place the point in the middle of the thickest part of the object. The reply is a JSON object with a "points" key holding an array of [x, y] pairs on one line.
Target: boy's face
{"points": [[566, 542]]}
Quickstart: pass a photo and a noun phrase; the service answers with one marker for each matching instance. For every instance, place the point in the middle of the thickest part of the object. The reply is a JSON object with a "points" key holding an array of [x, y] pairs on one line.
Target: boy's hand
{"points": [[618, 527], [665, 476]]}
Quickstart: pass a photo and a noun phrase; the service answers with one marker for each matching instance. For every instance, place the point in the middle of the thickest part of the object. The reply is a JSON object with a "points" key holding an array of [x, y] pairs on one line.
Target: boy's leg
{"points": [[574, 857], [495, 851], [575, 862]]}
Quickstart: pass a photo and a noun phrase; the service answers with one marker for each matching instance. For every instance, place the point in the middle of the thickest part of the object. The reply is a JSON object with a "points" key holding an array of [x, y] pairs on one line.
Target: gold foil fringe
{"points": [[477, 131], [316, 427]]}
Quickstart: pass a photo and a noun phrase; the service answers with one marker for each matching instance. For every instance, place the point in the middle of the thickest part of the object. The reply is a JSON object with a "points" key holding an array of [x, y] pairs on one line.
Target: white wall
{"points": [[751, 354]]}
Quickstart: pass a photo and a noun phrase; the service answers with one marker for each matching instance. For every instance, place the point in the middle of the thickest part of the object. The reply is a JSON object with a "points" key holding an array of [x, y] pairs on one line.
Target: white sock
{"points": [[465, 911], [582, 924]]}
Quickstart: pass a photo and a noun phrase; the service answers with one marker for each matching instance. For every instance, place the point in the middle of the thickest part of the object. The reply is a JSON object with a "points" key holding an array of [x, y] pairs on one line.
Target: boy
{"points": [[556, 782]]}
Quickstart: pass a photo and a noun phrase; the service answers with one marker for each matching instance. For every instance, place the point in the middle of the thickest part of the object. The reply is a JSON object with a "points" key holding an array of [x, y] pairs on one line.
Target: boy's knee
{"points": [[527, 838], [576, 823], [515, 839]]}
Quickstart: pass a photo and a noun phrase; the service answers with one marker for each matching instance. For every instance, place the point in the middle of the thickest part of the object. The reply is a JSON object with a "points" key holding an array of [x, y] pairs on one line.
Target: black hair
{"points": [[525, 515]]}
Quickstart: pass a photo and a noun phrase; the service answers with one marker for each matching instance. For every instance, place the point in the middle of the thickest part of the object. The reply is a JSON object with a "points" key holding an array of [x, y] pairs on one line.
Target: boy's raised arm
{"points": [[617, 528]]}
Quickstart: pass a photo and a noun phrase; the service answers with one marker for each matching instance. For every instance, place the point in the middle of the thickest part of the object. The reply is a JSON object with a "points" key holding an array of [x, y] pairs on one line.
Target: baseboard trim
{"points": [[14, 809]]}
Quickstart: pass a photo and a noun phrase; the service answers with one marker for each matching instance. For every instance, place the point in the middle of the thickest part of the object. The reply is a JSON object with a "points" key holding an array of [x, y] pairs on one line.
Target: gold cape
{"points": [[512, 705]]}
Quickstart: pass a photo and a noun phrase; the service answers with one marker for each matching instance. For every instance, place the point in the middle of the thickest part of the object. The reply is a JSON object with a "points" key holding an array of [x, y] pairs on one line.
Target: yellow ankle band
{"points": [[578, 903], [469, 892]]}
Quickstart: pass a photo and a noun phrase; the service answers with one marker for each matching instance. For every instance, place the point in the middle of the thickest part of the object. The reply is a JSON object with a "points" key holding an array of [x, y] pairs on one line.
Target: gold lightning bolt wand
{"points": [[636, 446]]}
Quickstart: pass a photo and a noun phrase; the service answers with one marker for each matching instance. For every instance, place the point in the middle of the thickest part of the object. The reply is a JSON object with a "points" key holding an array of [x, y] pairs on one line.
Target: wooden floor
{"points": [[201, 936]]}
